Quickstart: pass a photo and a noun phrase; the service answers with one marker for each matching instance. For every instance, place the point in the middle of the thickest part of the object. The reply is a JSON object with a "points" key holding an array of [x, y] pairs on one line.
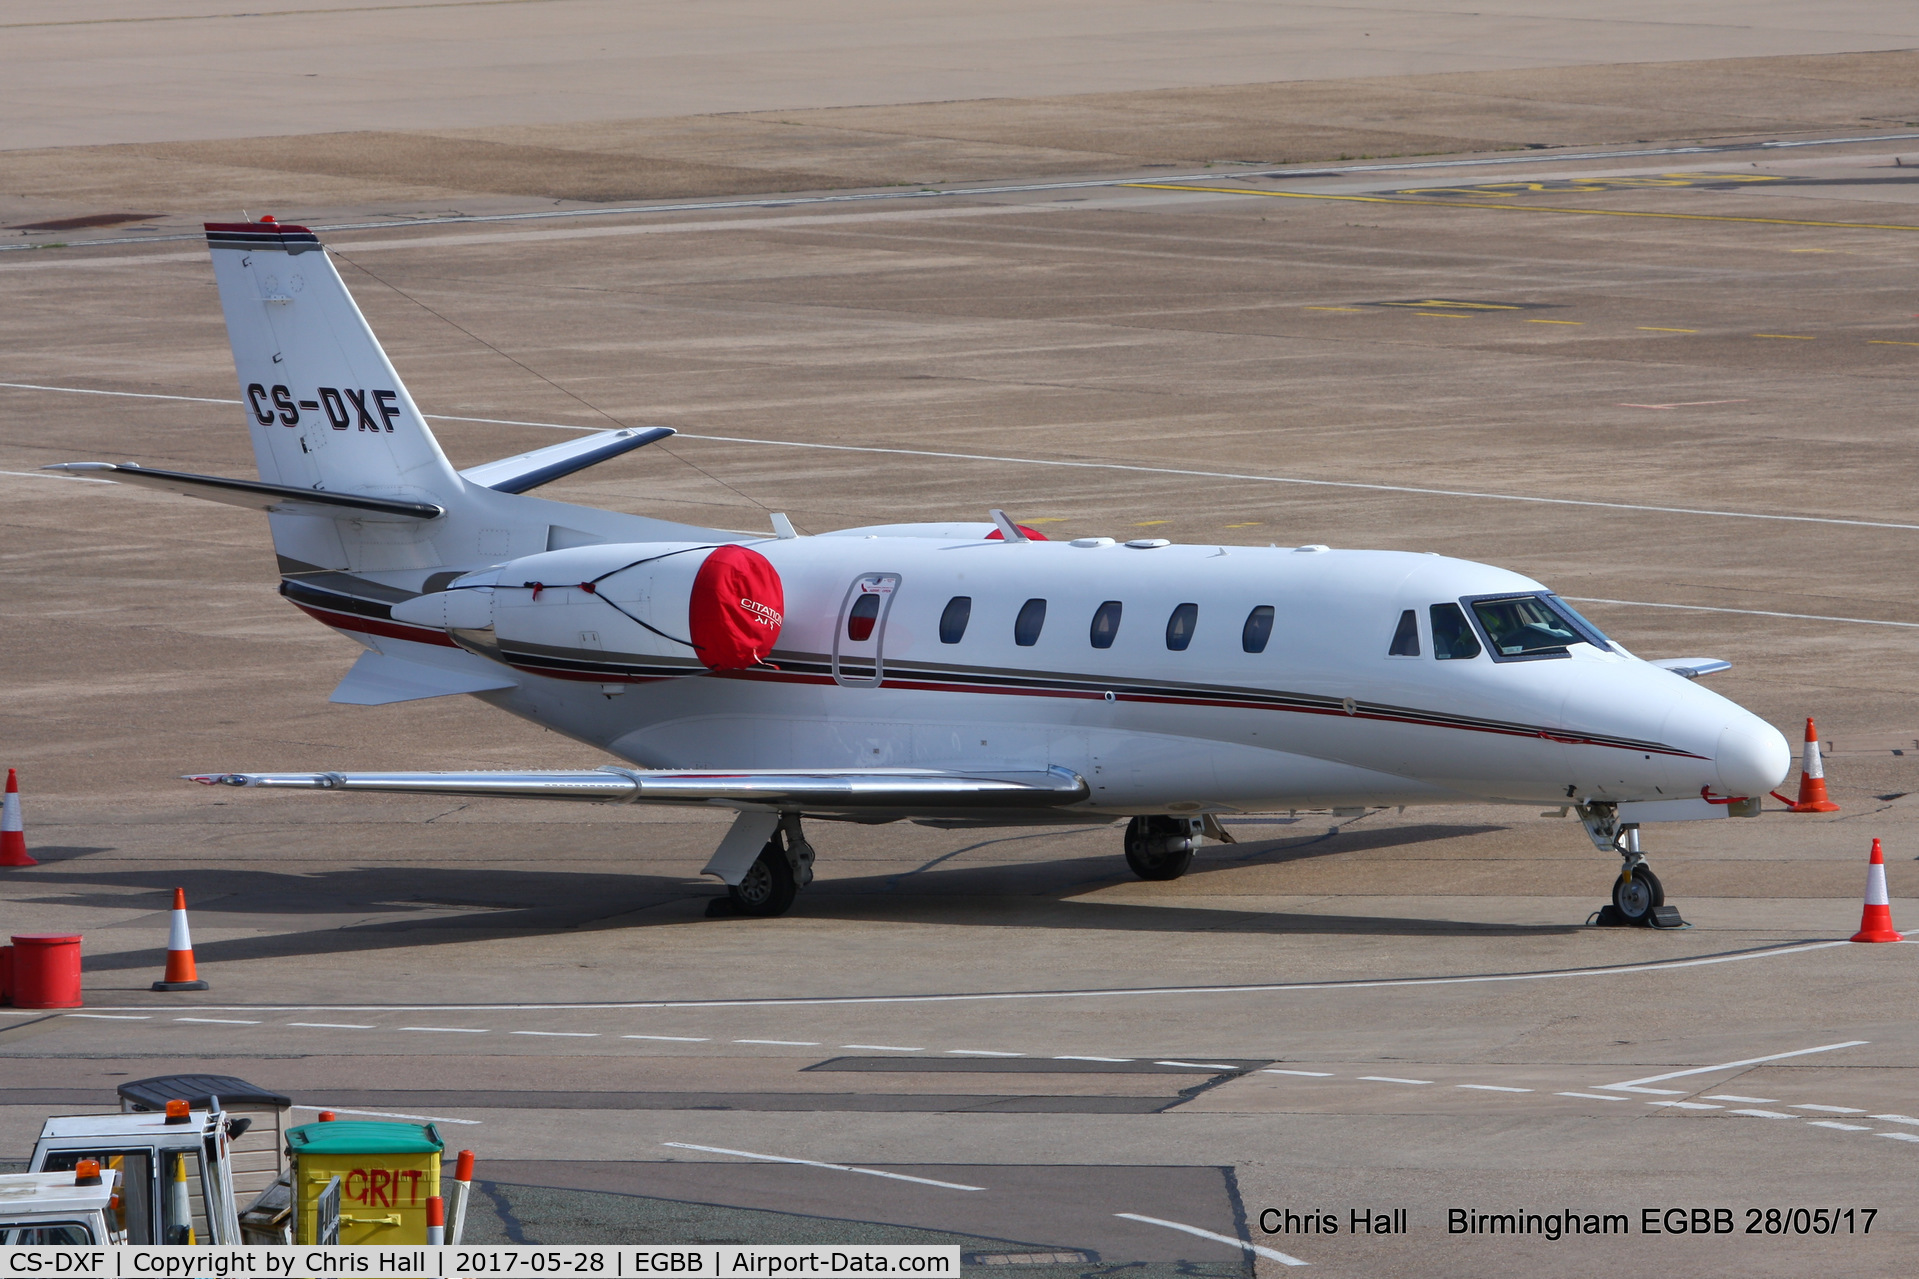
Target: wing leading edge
{"points": [[868, 792]]}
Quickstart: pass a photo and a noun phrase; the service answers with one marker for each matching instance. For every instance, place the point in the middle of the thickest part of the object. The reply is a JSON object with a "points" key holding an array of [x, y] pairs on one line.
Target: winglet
{"points": [[1007, 529]]}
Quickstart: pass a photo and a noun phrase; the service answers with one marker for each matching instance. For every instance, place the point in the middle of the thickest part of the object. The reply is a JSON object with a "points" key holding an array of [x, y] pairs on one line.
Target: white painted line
{"points": [[1668, 1092], [332, 1025], [1697, 1105], [388, 1114], [559, 1034], [1268, 1253], [115, 1016], [1898, 1136], [449, 1030], [1833, 1123], [1092, 1059], [883, 1048], [1761, 1114], [219, 1021], [814, 1163], [779, 1043], [1589, 1096], [1830, 1110], [1111, 992], [1898, 1119], [1492, 1088], [671, 1039], [1745, 612], [1750, 1101], [979, 1052], [1118, 466], [1388, 1079], [1310, 1074], [1198, 1065], [1633, 1085]]}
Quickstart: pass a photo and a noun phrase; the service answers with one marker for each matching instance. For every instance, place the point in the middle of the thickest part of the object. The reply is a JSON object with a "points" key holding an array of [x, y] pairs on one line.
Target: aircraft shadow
{"points": [[376, 908]]}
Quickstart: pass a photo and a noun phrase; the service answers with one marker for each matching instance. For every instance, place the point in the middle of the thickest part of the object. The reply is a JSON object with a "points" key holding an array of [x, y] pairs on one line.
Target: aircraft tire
{"points": [[768, 889], [1158, 848], [1635, 902]]}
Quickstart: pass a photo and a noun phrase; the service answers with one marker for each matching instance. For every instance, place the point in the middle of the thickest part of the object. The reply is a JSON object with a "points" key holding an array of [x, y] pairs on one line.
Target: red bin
{"points": [[46, 970]]}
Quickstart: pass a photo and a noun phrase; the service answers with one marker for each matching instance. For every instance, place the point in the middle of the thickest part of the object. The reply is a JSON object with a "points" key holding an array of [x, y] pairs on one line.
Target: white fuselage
{"points": [[1323, 716]]}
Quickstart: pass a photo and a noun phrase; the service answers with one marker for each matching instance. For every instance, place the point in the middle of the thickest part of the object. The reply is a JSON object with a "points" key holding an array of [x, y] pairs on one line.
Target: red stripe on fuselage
{"points": [[374, 626]]}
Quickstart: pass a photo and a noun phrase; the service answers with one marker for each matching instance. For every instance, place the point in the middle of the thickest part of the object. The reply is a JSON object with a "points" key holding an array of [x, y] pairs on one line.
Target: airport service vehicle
{"points": [[70, 1209], [956, 674], [174, 1170]]}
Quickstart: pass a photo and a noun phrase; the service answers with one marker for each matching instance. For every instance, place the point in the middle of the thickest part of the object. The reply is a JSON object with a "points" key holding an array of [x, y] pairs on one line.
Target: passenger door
{"points": [[859, 656]]}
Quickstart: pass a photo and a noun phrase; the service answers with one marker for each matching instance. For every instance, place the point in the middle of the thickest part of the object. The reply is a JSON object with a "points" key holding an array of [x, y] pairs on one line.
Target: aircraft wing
{"points": [[526, 471], [258, 494], [850, 792], [1692, 667]]}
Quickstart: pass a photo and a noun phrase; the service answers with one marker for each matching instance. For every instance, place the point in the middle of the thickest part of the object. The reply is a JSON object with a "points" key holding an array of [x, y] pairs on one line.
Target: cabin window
{"points": [[1406, 638], [860, 619], [1525, 627], [1452, 638], [1106, 624], [958, 611], [1258, 629], [1179, 627], [1032, 616]]}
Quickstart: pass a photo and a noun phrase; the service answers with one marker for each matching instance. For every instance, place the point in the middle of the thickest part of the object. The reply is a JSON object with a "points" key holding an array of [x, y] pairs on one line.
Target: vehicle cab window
{"points": [[1453, 637], [1526, 627], [1405, 636]]}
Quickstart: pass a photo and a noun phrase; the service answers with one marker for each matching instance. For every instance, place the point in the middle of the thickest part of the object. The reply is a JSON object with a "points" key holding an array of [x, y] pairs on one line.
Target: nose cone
{"points": [[1752, 757]]}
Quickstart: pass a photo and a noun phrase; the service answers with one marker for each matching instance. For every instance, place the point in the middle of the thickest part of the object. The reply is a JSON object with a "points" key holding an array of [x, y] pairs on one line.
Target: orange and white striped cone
{"points": [[13, 835], [1875, 921], [180, 971], [1812, 779]]}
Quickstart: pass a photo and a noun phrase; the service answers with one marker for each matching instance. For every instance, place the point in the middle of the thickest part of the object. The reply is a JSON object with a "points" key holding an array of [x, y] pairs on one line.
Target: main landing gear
{"points": [[1638, 898], [1163, 847], [767, 887]]}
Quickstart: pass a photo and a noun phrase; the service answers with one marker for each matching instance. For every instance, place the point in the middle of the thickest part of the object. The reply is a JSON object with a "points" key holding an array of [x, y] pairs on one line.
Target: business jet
{"points": [[956, 674]]}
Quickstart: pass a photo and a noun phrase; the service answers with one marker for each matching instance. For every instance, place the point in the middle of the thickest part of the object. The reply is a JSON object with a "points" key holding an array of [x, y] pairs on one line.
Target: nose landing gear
{"points": [[1638, 898]]}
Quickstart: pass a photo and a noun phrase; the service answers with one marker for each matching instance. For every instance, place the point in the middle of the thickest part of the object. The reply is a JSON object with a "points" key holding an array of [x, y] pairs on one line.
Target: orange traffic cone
{"points": [[1812, 779], [1875, 921], [13, 836], [180, 970]]}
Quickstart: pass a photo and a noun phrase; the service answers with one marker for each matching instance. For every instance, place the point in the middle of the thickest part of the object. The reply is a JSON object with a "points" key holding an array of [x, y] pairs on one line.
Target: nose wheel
{"points": [[1638, 898]]}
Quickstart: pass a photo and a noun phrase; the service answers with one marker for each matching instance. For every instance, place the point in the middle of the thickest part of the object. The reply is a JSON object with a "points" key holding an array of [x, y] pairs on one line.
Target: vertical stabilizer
{"points": [[325, 407]]}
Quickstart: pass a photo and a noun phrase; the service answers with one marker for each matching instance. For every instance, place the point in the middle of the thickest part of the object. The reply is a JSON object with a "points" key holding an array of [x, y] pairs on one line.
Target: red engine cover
{"points": [[736, 610]]}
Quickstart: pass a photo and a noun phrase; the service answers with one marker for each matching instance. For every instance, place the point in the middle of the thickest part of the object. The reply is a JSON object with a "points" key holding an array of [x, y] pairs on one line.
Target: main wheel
{"points": [[1158, 847], [1635, 900], [768, 889]]}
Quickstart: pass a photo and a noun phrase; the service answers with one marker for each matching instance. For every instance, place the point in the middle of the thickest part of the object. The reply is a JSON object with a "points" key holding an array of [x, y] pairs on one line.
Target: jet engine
{"points": [[717, 606]]}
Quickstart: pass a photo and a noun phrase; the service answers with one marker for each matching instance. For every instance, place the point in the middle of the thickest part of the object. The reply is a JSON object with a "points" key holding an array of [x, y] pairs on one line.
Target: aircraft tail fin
{"points": [[326, 409]]}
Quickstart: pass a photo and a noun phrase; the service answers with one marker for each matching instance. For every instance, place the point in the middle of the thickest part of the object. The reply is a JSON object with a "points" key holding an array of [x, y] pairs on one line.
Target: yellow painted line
{"points": [[1438, 315], [1796, 337], [1045, 519], [1886, 342], [1255, 523], [1555, 321], [1333, 308], [1150, 523], [1649, 328], [1526, 208]]}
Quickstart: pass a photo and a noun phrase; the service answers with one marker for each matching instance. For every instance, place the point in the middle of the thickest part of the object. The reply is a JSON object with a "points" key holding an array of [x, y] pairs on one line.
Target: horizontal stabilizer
{"points": [[377, 680], [259, 495], [1693, 667], [526, 471], [813, 791]]}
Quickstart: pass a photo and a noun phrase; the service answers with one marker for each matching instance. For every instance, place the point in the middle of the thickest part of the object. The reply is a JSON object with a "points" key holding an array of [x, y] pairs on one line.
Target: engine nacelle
{"points": [[718, 607]]}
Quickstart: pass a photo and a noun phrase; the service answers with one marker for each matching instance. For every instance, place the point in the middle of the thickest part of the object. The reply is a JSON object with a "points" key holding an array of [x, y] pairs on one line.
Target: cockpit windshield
{"points": [[1533, 626]]}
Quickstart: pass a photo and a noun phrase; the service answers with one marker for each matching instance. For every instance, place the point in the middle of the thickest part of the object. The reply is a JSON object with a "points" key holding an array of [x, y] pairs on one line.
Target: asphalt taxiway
{"points": [[1676, 388]]}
